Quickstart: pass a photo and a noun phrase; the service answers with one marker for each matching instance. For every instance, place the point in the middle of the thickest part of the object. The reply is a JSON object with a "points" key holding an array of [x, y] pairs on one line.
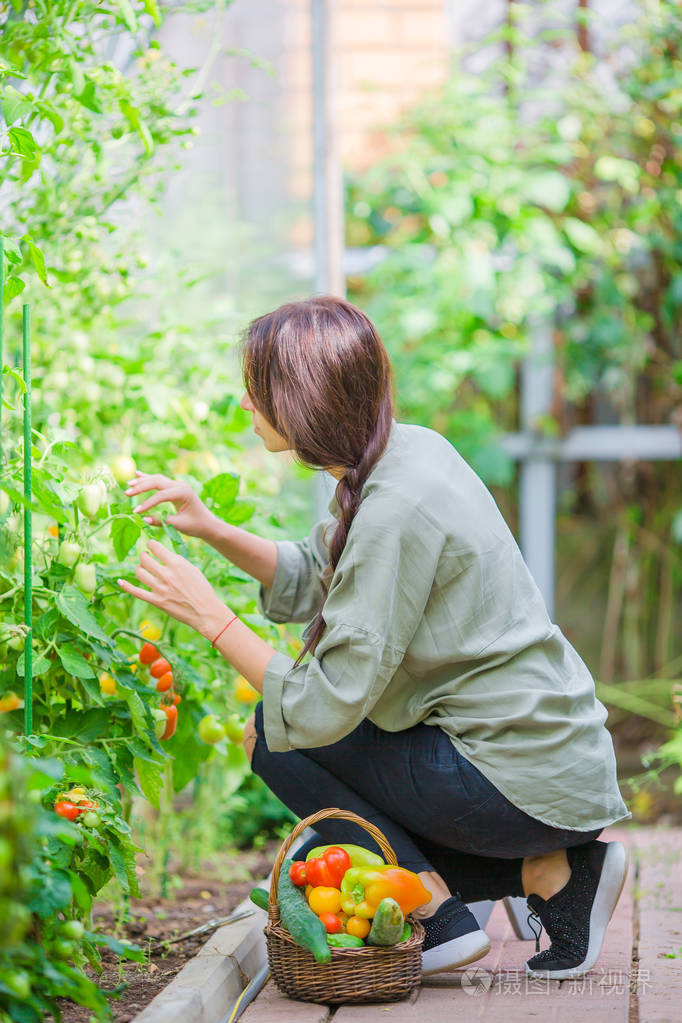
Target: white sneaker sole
{"points": [[613, 875], [458, 952]]}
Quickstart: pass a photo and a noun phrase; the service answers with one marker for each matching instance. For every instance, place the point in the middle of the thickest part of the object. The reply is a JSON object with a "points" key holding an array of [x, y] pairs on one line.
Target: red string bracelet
{"points": [[222, 631]]}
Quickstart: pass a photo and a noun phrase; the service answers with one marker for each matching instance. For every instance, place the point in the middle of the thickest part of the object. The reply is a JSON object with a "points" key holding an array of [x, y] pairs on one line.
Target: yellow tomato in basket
{"points": [[325, 900]]}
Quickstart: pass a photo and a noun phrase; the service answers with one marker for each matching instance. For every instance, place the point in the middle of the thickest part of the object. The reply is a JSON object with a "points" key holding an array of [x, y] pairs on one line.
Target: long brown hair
{"points": [[318, 372]]}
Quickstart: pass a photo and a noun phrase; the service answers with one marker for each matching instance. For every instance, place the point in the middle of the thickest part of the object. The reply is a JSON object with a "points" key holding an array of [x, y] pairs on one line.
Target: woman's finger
{"points": [[135, 591], [145, 482], [158, 498], [152, 520], [154, 567], [146, 577], [162, 553]]}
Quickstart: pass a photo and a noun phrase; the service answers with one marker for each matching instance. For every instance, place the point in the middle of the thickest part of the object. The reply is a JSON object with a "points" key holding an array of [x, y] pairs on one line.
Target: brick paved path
{"points": [[637, 979]]}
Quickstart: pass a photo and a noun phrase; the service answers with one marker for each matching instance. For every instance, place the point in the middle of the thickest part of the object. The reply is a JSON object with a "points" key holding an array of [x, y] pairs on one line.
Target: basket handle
{"points": [[298, 829]]}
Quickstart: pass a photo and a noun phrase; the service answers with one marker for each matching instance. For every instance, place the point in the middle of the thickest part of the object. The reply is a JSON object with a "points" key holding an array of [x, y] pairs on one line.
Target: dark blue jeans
{"points": [[435, 808]]}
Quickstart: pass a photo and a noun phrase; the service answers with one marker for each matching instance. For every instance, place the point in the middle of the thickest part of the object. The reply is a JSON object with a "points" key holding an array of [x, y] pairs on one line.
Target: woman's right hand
{"points": [[191, 517]]}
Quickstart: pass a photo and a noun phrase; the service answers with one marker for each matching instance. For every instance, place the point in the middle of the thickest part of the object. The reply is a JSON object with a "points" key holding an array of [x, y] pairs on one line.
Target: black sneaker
{"points": [[577, 916], [453, 937]]}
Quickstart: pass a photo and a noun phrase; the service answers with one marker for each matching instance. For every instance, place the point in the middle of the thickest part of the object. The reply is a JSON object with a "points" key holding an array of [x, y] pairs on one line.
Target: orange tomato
{"points": [[148, 653], [53, 530], [244, 691], [358, 927], [171, 713], [165, 682], [159, 667], [325, 900]]}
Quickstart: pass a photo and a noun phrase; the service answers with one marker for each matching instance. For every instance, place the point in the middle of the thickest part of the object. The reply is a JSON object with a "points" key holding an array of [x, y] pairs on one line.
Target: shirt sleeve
{"points": [[297, 589], [375, 603]]}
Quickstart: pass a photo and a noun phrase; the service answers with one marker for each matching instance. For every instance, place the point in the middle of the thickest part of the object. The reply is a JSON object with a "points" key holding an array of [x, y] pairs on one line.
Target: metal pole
{"points": [[28, 531], [537, 487], [327, 195]]}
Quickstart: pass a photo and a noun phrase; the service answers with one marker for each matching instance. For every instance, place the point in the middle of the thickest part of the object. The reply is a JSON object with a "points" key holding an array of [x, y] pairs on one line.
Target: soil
{"points": [[195, 901]]}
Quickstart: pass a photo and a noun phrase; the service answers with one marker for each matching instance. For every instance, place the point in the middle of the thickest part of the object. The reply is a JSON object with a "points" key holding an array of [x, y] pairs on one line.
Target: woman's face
{"points": [[273, 441]]}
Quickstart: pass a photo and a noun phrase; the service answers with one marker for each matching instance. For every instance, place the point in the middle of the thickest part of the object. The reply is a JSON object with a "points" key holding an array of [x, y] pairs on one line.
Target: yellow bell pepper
{"points": [[363, 888]]}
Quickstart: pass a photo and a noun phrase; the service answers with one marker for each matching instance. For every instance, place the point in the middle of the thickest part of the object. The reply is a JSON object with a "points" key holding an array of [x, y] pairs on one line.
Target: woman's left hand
{"points": [[177, 587]]}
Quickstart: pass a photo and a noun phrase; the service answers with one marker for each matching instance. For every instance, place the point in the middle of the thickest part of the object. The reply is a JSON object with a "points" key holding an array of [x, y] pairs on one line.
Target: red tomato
{"points": [[159, 667], [68, 810], [331, 922], [148, 653], [171, 721], [177, 698], [297, 873], [165, 682]]}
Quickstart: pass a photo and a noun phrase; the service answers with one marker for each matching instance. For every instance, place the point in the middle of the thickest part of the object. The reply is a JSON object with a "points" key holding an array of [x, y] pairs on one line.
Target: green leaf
{"points": [[151, 7], [118, 863], [13, 287], [14, 105], [124, 534], [88, 98], [85, 725], [127, 14], [150, 776], [127, 951], [137, 712], [38, 260], [74, 662], [39, 665], [220, 493], [582, 235], [72, 604], [53, 894], [23, 143]]}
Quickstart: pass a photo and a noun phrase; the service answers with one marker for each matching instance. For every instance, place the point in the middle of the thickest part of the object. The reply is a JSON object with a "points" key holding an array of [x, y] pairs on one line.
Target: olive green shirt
{"points": [[433, 616]]}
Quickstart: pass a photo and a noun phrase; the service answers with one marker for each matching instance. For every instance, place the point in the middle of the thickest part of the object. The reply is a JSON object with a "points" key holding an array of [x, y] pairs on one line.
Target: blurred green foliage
{"points": [[510, 198]]}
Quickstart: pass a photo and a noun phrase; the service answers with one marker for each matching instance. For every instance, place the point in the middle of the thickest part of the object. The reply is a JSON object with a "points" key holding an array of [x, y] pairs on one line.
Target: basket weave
{"points": [[369, 974]]}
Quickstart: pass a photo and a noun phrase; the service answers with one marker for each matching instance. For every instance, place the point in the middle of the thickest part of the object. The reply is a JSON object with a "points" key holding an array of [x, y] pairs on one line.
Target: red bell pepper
{"points": [[328, 870]]}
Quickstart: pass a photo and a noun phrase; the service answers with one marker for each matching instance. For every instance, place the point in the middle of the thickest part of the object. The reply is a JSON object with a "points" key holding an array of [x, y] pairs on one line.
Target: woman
{"points": [[439, 701]]}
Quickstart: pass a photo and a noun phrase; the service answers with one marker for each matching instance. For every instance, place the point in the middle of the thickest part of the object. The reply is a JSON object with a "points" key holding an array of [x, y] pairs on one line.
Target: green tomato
{"points": [[234, 728], [90, 500], [62, 948], [91, 819], [85, 577], [210, 730], [68, 553], [73, 929], [34, 796], [16, 642], [18, 982], [160, 721], [123, 468]]}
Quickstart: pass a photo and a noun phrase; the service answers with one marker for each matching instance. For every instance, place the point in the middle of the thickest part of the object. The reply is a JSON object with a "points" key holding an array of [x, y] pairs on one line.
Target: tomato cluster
{"points": [[76, 802], [166, 717]]}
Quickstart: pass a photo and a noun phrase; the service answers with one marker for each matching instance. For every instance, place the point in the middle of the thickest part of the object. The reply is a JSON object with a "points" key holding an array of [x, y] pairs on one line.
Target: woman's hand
{"points": [[191, 517], [179, 588]]}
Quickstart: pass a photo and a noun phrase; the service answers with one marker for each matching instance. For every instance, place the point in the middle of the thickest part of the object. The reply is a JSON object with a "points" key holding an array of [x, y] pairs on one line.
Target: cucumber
{"points": [[388, 923], [297, 917], [407, 932], [344, 941], [259, 896]]}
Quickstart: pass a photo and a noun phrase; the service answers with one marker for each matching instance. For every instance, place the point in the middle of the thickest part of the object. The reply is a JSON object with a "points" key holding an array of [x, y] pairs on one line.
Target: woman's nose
{"points": [[246, 403]]}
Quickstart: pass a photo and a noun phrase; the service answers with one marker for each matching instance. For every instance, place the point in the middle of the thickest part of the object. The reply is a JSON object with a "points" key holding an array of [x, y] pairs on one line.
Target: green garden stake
{"points": [[28, 531], [2, 309]]}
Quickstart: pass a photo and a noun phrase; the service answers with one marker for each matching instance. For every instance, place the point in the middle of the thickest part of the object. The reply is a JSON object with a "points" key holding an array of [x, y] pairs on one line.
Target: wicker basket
{"points": [[368, 974]]}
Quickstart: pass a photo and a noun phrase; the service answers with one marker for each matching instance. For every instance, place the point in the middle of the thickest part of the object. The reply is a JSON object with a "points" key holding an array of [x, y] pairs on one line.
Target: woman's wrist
{"points": [[213, 620]]}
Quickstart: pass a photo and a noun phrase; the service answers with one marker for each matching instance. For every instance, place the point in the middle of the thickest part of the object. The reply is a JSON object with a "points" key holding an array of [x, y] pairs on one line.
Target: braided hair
{"points": [[318, 371]]}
